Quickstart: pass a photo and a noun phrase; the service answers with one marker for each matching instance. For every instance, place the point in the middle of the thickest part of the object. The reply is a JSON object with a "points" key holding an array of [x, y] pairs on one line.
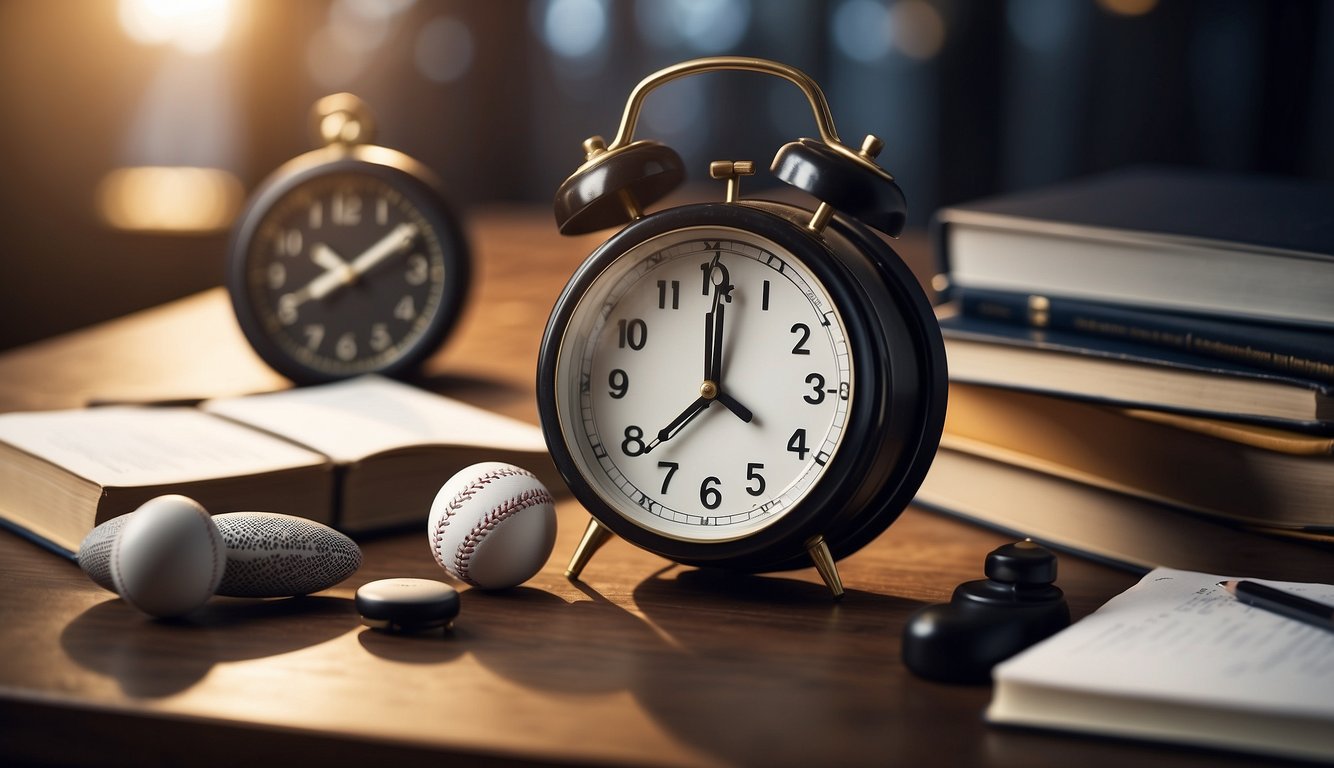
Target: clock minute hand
{"points": [[398, 238], [713, 324], [713, 336]]}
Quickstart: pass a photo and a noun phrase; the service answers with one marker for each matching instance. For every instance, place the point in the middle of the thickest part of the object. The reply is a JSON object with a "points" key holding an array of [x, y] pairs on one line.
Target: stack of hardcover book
{"points": [[1142, 367]]}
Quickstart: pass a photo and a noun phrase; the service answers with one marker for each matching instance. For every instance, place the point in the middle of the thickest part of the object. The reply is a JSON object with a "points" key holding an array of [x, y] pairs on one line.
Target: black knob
{"points": [[988, 620], [1022, 563]]}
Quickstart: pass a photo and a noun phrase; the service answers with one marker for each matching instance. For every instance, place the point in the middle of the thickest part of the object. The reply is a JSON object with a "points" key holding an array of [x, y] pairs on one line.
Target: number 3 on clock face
{"points": [[709, 383]]}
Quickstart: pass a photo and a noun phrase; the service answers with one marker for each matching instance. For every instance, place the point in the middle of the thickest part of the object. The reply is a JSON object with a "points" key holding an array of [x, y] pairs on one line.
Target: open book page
{"points": [[133, 446], [1178, 636], [351, 420]]}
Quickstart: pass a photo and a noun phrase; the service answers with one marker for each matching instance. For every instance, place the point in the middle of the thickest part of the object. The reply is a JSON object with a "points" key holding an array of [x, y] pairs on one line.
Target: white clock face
{"points": [[692, 439]]}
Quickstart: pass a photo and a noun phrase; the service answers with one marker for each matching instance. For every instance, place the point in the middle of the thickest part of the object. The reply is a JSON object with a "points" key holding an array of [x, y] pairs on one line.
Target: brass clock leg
{"points": [[595, 535], [824, 563]]}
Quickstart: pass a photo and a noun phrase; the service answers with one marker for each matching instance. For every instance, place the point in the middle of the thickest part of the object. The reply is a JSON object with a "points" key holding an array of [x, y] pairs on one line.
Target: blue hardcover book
{"points": [[1127, 374], [1298, 351], [1259, 249]]}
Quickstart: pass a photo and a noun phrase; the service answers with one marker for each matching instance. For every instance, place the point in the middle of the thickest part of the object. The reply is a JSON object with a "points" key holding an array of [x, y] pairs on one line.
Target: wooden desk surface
{"points": [[641, 663]]}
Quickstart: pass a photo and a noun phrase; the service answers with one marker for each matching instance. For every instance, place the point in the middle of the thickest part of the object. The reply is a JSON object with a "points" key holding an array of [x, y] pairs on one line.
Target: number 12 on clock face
{"points": [[709, 383]]}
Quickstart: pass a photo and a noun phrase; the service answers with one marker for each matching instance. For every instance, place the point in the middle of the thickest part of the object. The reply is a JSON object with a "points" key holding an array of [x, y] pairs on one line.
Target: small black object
{"points": [[407, 605], [989, 620]]}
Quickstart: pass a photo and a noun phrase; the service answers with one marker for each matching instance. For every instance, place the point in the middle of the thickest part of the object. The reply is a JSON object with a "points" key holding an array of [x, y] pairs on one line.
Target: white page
{"points": [[1177, 635], [127, 446], [353, 419]]}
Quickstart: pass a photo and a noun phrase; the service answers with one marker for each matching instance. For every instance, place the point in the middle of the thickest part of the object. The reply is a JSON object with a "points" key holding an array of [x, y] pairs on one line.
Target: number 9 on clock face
{"points": [[707, 383]]}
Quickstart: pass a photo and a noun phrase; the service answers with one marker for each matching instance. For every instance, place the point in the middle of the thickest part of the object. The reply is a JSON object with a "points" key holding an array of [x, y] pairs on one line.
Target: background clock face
{"points": [[345, 273], [633, 361]]}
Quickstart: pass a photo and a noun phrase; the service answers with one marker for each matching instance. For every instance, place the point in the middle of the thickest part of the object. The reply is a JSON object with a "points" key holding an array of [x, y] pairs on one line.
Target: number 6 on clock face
{"points": [[646, 338]]}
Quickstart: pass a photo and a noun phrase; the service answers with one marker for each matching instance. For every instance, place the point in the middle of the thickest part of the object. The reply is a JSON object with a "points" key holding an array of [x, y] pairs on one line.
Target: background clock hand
{"points": [[327, 257], [677, 424], [398, 239], [321, 286]]}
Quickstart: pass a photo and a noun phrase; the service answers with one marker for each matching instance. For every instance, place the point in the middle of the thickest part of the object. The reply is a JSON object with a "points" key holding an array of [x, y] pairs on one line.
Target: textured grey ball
{"points": [[268, 554], [95, 551], [273, 555]]}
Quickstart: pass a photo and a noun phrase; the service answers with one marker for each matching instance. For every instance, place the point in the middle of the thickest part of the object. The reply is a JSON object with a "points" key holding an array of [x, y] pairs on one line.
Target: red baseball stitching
{"points": [[455, 504], [488, 523]]}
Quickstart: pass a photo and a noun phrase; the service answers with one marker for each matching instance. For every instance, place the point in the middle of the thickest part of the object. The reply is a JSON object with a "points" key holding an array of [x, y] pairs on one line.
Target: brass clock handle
{"points": [[824, 120], [342, 119]]}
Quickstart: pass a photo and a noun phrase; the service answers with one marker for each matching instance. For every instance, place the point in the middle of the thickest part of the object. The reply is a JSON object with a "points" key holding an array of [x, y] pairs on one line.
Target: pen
{"points": [[1283, 603]]}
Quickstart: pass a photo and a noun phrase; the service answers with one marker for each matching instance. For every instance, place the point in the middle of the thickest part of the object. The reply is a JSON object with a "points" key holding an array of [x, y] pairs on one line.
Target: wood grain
{"points": [[641, 663]]}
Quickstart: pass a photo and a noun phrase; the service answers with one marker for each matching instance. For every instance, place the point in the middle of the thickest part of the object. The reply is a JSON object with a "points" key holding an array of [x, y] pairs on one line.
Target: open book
{"points": [[360, 454], [1176, 658]]}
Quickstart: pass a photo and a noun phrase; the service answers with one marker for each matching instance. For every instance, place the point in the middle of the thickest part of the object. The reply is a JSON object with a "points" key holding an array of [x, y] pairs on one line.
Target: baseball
{"points": [[168, 557], [492, 525]]}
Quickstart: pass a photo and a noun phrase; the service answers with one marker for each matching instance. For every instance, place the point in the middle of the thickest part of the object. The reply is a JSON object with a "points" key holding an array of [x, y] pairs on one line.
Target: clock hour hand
{"points": [[326, 257], [679, 423], [337, 274], [731, 404]]}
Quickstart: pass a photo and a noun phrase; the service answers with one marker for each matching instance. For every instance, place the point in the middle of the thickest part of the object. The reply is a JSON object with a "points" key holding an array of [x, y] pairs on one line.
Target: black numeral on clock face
{"points": [[817, 389], [797, 444], [671, 467], [633, 444], [710, 496], [674, 289], [803, 333], [633, 334], [618, 383]]}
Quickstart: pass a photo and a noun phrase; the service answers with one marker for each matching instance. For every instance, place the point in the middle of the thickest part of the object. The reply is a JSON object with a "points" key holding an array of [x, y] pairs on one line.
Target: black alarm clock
{"points": [[744, 384], [347, 260]]}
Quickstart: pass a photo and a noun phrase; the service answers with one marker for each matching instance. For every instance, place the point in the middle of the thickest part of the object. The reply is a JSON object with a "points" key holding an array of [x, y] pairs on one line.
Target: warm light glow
{"points": [[867, 30], [918, 29], [193, 26], [169, 199], [1128, 7]]}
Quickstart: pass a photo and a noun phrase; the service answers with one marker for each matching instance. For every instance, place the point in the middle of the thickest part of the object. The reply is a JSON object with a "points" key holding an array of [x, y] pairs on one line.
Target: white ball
{"points": [[168, 557], [492, 525]]}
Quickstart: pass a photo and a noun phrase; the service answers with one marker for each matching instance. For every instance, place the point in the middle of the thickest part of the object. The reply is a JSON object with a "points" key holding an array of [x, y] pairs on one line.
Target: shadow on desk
{"points": [[115, 640]]}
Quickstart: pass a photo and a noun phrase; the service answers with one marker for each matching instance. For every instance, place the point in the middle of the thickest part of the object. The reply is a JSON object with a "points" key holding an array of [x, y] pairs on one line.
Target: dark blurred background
{"points": [[971, 97]]}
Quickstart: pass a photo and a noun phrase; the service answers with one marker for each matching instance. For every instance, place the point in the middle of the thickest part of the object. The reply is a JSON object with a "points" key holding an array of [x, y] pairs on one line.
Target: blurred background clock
{"points": [[347, 259]]}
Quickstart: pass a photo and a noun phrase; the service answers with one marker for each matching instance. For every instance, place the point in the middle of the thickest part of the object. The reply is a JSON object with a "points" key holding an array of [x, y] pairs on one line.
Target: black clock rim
{"points": [[400, 171], [931, 380], [911, 441], [773, 546]]}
